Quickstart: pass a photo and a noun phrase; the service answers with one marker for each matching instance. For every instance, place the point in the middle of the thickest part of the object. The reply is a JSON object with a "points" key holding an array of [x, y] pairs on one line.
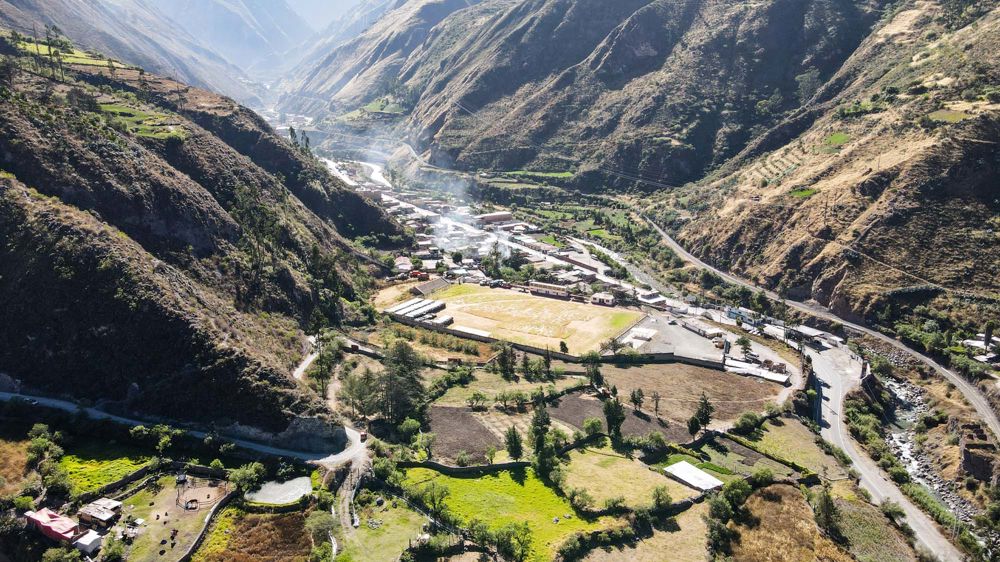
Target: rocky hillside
{"points": [[883, 193], [134, 31], [657, 88], [163, 247]]}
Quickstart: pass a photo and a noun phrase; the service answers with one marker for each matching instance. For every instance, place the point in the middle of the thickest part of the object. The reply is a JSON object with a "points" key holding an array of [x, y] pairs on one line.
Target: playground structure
{"points": [[195, 493]]}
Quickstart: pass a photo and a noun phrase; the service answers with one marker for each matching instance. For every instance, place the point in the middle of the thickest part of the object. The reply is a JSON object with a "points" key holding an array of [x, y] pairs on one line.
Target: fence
{"points": [[208, 523], [464, 470]]}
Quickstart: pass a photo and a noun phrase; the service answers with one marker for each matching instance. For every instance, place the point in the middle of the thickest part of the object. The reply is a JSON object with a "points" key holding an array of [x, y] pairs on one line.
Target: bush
{"points": [[24, 503], [747, 423]]}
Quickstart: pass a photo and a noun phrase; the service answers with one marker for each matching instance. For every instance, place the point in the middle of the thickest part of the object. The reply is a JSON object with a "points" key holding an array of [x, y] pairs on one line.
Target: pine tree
{"points": [[705, 410], [512, 440]]}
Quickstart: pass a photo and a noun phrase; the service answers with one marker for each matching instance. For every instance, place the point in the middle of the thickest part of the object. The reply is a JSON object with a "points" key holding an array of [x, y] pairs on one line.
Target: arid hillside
{"points": [[883, 193], [164, 247]]}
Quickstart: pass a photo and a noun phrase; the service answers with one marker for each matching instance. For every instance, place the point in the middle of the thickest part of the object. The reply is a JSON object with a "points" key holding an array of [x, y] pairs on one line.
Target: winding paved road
{"points": [[354, 446], [840, 374], [970, 391]]}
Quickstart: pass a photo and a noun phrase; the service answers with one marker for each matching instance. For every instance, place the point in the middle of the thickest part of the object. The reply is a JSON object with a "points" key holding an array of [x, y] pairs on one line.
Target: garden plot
{"points": [[237, 535], [458, 431], [680, 387], [384, 533], [685, 539], [491, 384], [512, 496], [92, 465], [789, 439], [607, 474], [537, 321], [169, 529], [573, 409]]}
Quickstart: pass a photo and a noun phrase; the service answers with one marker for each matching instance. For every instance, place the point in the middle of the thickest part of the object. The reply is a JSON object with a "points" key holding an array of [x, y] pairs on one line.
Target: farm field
{"points": [[784, 529], [738, 459], [537, 321], [511, 497], [91, 465], [394, 294], [680, 387], [459, 431], [157, 504], [76, 56], [573, 409], [870, 536], [13, 459], [142, 123], [606, 474], [685, 540], [789, 439], [499, 421], [384, 533], [492, 384], [237, 535]]}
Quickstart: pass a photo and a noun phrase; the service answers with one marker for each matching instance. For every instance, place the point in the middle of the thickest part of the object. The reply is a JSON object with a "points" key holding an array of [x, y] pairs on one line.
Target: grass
{"points": [[783, 529], [5, 175], [75, 56], [537, 321], [141, 123], [803, 192], [160, 500], [685, 540], [397, 526], [384, 105], [836, 140], [593, 469], [237, 535], [511, 497], [92, 465], [491, 384], [792, 440], [550, 239], [13, 463], [871, 538], [948, 116]]}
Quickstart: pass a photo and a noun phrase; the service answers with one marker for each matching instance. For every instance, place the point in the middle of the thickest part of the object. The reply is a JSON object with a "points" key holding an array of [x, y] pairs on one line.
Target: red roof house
{"points": [[53, 525]]}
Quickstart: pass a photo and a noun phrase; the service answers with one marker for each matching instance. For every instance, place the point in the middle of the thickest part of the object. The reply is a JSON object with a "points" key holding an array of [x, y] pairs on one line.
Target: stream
{"points": [[911, 404]]}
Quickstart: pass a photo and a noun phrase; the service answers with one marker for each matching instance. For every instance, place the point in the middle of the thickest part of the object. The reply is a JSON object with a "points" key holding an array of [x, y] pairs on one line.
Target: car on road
{"points": [[364, 436], [32, 401]]}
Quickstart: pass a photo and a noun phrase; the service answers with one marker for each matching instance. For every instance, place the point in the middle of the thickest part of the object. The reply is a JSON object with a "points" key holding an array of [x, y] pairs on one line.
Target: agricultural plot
{"points": [[13, 460], [737, 459], [789, 439], [783, 529], [492, 384], [685, 540], [870, 536], [161, 505], [142, 123], [238, 535], [573, 409], [606, 474], [537, 321], [384, 533], [74, 56], [92, 465], [680, 387], [511, 497], [458, 431]]}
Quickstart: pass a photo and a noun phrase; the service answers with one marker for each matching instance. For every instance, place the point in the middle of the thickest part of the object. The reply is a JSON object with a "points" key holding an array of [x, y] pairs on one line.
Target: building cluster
{"points": [[85, 534]]}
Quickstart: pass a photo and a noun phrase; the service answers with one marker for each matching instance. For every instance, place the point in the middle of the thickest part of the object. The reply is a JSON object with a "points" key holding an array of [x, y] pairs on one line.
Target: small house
{"points": [[54, 526], [89, 543], [603, 299]]}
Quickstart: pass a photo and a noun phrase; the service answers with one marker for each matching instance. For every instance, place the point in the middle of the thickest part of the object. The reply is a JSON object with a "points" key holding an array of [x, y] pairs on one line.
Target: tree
{"points": [[434, 496], [744, 344], [400, 385], [503, 398], [320, 524], [505, 359], [614, 414], [408, 429], [457, 257], [216, 464], [736, 492], [747, 423], [594, 375], [513, 541], [540, 423], [592, 426], [826, 511], [512, 440], [694, 426], [477, 400], [491, 453], [248, 477], [113, 549], [656, 402], [330, 348], [426, 441], [704, 411], [563, 348], [8, 71], [661, 497], [636, 397]]}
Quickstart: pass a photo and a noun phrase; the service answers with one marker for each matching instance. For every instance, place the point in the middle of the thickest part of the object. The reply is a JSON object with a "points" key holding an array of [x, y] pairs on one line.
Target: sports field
{"points": [[530, 320]]}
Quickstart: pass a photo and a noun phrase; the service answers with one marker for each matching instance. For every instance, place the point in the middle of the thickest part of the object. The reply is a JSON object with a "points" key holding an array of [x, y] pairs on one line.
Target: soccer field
{"points": [[537, 321]]}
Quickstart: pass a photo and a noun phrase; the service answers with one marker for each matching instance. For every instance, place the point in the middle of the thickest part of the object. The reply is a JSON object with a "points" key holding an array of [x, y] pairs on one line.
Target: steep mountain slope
{"points": [[345, 74], [883, 194], [162, 253], [658, 88], [252, 34], [133, 31]]}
